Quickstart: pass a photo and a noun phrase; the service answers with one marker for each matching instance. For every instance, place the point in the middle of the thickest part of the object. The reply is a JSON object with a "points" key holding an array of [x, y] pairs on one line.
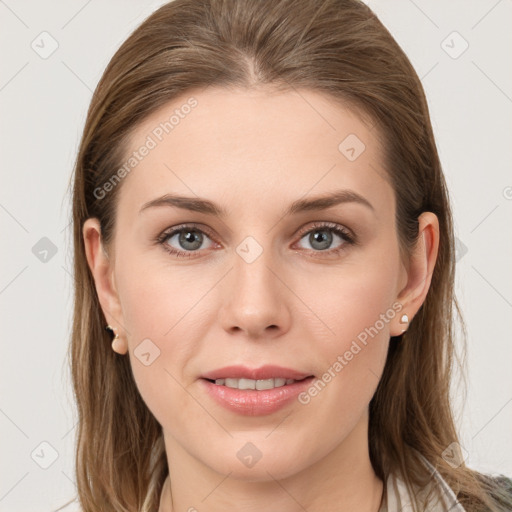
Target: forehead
{"points": [[234, 145]]}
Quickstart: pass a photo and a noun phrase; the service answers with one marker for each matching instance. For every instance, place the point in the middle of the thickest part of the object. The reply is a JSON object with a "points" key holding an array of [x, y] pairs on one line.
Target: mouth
{"points": [[255, 392], [264, 377], [260, 384]]}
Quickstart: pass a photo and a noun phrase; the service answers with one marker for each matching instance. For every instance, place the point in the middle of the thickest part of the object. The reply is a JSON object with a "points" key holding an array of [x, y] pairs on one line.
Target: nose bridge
{"points": [[252, 275], [255, 299]]}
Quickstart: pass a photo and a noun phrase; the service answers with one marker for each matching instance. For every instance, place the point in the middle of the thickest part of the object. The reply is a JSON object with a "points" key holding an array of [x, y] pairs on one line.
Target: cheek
{"points": [[157, 300], [353, 357], [355, 305], [351, 299], [149, 311], [165, 313]]}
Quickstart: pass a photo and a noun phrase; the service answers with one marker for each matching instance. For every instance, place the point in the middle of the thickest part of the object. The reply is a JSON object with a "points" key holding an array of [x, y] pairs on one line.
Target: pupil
{"points": [[190, 237], [324, 240]]}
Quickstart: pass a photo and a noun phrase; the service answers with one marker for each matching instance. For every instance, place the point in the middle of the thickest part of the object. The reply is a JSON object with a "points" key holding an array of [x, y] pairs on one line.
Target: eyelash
{"points": [[343, 233]]}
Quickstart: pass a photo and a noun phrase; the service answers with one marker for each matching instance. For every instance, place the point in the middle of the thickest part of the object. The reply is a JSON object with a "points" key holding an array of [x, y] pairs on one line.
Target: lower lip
{"points": [[252, 402]]}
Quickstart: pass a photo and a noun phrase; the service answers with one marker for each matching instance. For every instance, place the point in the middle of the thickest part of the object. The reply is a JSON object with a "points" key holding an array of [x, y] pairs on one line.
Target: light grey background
{"points": [[43, 103]]}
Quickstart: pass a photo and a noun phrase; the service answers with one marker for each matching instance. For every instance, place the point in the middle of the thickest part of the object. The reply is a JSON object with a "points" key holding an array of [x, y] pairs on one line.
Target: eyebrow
{"points": [[322, 202]]}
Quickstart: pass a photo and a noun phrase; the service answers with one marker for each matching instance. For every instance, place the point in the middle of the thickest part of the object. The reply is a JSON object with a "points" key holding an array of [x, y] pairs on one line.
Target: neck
{"points": [[344, 477]]}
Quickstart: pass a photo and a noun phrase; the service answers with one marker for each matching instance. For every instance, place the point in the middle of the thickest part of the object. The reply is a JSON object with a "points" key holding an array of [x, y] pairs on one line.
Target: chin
{"points": [[251, 464]]}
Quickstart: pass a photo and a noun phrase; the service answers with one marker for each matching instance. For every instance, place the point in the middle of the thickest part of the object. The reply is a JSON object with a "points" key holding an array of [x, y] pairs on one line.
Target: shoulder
{"points": [[503, 481], [499, 486]]}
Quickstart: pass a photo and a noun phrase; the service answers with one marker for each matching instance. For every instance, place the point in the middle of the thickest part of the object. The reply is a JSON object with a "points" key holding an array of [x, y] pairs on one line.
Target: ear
{"points": [[419, 273], [102, 269]]}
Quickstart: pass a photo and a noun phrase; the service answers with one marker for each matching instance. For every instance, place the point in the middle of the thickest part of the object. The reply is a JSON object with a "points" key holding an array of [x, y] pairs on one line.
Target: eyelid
{"points": [[317, 225], [182, 227], [346, 234]]}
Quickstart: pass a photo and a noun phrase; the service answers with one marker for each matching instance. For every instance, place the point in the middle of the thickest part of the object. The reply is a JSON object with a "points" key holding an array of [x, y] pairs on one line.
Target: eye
{"points": [[323, 234], [184, 241]]}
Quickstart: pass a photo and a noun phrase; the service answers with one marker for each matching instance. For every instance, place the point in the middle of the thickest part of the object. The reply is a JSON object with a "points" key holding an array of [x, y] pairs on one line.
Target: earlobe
{"points": [[102, 270], [419, 275], [118, 345]]}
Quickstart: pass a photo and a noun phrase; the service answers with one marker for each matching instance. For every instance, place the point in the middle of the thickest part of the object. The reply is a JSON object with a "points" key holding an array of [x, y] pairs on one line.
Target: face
{"points": [[269, 281]]}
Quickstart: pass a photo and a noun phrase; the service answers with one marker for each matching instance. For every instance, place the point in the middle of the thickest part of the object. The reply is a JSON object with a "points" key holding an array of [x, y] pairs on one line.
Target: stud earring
{"points": [[404, 320], [116, 342]]}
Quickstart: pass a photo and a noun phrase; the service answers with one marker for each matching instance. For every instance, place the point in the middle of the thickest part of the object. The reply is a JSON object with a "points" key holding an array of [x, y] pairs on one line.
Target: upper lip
{"points": [[261, 373]]}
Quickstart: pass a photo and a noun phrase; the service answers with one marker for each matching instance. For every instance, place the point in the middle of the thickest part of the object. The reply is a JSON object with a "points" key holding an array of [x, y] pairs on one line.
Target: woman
{"points": [[263, 231]]}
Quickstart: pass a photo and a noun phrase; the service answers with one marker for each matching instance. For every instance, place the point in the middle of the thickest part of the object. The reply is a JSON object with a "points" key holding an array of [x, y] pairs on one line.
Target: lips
{"points": [[262, 373], [255, 391], [255, 402]]}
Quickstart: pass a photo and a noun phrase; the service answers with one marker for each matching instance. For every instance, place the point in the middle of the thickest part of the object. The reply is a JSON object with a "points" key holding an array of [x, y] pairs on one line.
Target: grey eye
{"points": [[321, 239], [188, 239]]}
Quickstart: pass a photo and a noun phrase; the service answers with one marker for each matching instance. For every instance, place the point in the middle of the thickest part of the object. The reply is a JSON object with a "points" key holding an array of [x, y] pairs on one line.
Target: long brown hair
{"points": [[339, 48]]}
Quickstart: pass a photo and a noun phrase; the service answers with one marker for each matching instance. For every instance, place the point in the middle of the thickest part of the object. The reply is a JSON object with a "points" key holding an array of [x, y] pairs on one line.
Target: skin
{"points": [[254, 153]]}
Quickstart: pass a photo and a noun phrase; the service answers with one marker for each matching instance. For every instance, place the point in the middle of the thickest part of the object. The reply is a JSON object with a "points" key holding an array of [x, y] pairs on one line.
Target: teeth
{"points": [[254, 384]]}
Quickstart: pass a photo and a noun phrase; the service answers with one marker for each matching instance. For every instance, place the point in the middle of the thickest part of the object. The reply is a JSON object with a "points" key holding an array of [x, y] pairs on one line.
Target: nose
{"points": [[255, 301]]}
